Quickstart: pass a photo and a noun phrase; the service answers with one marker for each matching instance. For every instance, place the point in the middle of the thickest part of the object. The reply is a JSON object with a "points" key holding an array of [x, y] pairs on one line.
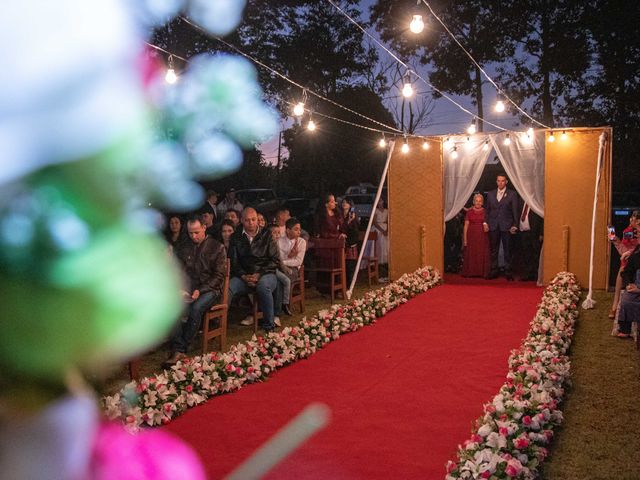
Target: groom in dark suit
{"points": [[502, 221]]}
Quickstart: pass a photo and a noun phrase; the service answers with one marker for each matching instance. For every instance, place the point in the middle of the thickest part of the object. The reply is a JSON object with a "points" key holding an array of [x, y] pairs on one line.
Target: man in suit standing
{"points": [[502, 223], [531, 227]]}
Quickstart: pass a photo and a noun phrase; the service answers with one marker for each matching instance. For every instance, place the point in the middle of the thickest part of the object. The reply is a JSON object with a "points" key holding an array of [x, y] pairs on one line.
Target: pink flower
{"points": [[189, 388], [526, 420], [485, 474], [451, 466], [514, 467], [521, 442]]}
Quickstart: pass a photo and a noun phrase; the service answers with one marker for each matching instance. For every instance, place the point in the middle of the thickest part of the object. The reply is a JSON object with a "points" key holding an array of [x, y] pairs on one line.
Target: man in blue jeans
{"points": [[254, 259], [205, 265]]}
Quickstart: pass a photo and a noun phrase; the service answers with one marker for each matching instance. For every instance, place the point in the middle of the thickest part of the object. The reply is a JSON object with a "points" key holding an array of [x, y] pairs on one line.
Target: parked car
{"points": [[366, 188], [264, 200]]}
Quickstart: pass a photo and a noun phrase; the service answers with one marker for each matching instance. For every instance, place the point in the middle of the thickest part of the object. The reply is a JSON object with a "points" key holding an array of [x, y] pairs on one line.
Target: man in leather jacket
{"points": [[254, 260], [205, 265]]}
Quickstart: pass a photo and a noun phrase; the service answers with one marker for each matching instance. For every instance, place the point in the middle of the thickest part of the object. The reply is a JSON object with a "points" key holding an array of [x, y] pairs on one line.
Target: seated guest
{"points": [[175, 234], [208, 217], [262, 222], [212, 201], [624, 247], [232, 215], [630, 299], [254, 260], [230, 202], [226, 230], [205, 268], [292, 249], [282, 215]]}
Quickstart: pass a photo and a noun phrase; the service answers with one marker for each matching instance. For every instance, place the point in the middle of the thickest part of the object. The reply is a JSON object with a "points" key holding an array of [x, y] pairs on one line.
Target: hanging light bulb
{"points": [[472, 128], [552, 138], [382, 142], [530, 132], [468, 138], [298, 109], [500, 104], [171, 77], [407, 89], [507, 141], [454, 153], [425, 145], [448, 143], [564, 135], [405, 146], [417, 24], [485, 147], [311, 126]]}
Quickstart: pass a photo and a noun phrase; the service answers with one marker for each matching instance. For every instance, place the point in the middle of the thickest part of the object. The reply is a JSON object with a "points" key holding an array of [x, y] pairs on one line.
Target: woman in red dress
{"points": [[477, 255]]}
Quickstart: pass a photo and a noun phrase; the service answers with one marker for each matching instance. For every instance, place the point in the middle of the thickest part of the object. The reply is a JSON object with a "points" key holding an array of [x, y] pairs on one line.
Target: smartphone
{"points": [[352, 210], [612, 232], [628, 235]]}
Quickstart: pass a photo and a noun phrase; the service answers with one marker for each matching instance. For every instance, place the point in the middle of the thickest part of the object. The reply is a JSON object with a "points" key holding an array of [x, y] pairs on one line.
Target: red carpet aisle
{"points": [[403, 392]]}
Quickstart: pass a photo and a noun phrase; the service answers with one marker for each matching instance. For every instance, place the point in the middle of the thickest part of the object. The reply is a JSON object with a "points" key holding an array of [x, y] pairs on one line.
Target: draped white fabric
{"points": [[461, 175], [523, 162]]}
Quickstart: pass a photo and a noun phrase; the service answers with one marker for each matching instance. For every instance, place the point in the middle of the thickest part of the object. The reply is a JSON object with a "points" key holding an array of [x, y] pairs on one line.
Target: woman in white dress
{"points": [[381, 225]]}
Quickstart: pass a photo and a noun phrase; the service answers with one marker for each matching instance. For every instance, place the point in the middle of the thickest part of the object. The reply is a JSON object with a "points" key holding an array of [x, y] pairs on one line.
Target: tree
{"points": [[552, 54], [477, 24]]}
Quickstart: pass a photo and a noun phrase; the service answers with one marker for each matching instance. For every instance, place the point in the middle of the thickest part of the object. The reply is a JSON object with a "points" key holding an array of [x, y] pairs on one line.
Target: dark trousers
{"points": [[495, 237], [629, 311], [184, 332], [530, 254]]}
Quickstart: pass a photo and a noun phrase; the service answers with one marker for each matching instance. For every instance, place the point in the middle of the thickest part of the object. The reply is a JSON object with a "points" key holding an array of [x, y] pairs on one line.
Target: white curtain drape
{"points": [[523, 162], [461, 174]]}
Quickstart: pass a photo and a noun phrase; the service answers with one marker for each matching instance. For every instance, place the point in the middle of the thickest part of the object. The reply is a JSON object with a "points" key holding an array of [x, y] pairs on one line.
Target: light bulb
{"points": [[552, 138], [472, 128], [311, 126], [486, 145], [530, 132], [416, 25], [407, 90], [298, 110], [382, 143], [405, 147], [171, 77], [468, 138], [563, 136], [528, 139], [454, 153], [448, 142], [507, 141], [425, 145], [499, 106]]}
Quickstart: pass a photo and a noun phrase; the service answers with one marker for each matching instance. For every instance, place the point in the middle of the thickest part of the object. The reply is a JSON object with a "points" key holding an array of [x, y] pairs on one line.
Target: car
{"points": [[366, 188], [264, 200]]}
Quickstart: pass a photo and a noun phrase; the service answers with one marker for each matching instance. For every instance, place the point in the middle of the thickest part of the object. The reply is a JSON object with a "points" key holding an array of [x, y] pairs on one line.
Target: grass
{"points": [[600, 437]]}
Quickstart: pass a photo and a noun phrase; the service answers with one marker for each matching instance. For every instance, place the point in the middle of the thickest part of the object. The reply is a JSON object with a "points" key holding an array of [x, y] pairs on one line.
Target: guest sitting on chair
{"points": [[254, 260], [227, 229], [205, 264], [292, 249], [630, 299]]}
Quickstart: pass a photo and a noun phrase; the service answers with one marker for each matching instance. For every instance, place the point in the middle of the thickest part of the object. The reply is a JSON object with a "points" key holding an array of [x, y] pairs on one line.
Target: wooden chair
{"points": [[372, 260], [330, 260], [297, 290], [133, 367], [219, 311]]}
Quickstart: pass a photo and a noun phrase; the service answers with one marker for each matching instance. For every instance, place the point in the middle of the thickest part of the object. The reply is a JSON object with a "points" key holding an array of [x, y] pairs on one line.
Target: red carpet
{"points": [[403, 392]]}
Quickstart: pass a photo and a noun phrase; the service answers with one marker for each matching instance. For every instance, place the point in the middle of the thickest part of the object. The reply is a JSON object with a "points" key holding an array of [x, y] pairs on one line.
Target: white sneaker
{"points": [[277, 322], [247, 321]]}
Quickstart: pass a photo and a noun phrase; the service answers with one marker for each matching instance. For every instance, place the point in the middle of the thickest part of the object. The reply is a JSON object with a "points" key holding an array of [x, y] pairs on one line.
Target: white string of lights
{"points": [[284, 77], [410, 71], [501, 94]]}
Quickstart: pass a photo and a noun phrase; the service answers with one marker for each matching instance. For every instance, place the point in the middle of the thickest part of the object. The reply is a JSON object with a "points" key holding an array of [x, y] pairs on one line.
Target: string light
{"points": [[564, 135], [405, 146], [417, 24], [448, 142], [530, 132], [472, 128], [507, 141], [454, 153], [382, 142], [407, 89], [528, 138], [425, 145], [485, 147], [500, 104], [171, 77], [552, 138], [298, 109], [311, 126]]}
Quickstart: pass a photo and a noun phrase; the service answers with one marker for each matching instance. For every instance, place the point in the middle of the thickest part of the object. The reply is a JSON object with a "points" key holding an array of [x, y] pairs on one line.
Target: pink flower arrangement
{"points": [[510, 440], [157, 400]]}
